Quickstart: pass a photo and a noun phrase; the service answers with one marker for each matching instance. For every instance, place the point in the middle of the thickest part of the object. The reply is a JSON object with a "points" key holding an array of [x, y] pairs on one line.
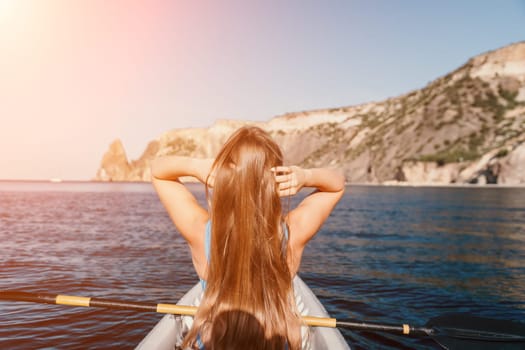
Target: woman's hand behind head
{"points": [[289, 179]]}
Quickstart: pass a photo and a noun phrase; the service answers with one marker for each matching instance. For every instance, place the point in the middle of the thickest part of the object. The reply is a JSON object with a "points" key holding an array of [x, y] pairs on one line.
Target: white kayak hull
{"points": [[170, 330]]}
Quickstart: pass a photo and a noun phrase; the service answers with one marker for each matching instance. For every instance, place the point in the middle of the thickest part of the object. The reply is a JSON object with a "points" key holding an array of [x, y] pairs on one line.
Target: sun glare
{"points": [[7, 8], [12, 12]]}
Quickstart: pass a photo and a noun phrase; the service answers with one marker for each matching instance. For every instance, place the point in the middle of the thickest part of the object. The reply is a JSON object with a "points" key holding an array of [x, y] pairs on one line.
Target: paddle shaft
{"points": [[70, 300], [46, 298], [463, 335], [404, 329], [456, 336]]}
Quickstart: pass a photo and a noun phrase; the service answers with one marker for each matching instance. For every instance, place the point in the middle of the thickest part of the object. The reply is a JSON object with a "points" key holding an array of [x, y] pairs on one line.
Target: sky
{"points": [[77, 74]]}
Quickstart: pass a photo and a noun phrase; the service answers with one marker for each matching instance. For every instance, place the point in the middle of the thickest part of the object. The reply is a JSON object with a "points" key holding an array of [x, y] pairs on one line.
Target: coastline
{"points": [[430, 184], [348, 184]]}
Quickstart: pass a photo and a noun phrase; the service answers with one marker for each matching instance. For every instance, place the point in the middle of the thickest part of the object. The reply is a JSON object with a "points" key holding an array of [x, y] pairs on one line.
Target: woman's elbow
{"points": [[154, 168], [340, 180]]}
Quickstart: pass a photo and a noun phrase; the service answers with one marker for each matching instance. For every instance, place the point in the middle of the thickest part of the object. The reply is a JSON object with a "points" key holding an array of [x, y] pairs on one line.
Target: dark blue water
{"points": [[387, 254]]}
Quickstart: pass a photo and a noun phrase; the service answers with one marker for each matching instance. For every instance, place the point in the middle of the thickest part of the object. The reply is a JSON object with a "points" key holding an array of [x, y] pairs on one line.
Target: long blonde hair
{"points": [[249, 295]]}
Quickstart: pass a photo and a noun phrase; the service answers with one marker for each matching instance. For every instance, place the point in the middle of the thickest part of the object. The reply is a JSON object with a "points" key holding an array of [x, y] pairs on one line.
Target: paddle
{"points": [[457, 331], [451, 331]]}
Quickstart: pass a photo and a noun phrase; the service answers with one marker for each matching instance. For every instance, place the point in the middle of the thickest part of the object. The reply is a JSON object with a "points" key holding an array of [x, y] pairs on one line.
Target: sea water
{"points": [[386, 254]]}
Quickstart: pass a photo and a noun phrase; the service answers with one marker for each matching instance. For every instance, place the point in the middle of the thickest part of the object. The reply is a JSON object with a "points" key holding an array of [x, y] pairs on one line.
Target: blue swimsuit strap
{"points": [[207, 240]]}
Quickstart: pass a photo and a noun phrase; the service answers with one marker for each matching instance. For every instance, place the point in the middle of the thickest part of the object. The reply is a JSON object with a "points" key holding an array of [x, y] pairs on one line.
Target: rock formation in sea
{"points": [[114, 164], [465, 127]]}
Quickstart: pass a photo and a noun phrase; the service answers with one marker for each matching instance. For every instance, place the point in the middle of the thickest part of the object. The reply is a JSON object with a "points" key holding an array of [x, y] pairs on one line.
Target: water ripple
{"points": [[386, 255]]}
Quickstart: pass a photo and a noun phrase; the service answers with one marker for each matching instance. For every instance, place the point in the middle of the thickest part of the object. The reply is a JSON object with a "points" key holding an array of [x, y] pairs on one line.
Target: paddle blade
{"points": [[466, 332]]}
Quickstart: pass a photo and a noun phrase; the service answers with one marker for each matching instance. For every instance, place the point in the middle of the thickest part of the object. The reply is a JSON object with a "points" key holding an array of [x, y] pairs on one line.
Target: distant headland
{"points": [[467, 127]]}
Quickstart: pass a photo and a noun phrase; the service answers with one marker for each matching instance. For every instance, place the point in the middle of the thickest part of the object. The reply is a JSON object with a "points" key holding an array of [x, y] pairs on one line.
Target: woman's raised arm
{"points": [[185, 212], [307, 218], [174, 167]]}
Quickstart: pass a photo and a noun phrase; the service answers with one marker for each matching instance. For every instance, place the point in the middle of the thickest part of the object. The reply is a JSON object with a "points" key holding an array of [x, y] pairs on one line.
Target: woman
{"points": [[245, 249]]}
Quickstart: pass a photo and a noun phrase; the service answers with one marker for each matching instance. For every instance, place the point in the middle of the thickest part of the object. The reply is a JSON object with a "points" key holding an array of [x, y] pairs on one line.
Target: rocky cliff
{"points": [[465, 127]]}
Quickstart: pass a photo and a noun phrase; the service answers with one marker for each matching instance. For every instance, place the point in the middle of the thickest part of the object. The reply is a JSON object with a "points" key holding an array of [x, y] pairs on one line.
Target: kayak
{"points": [[169, 332]]}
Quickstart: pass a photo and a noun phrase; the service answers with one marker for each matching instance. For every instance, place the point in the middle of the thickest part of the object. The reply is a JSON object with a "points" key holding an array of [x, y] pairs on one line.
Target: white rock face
{"points": [[430, 173], [506, 61], [513, 167]]}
